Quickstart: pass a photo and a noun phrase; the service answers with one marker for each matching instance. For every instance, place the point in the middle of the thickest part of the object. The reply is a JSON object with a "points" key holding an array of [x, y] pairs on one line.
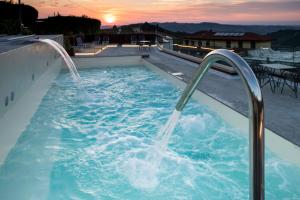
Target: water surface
{"points": [[86, 143]]}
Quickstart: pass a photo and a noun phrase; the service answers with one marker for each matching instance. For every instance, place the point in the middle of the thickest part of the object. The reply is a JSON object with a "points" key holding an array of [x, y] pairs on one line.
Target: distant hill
{"points": [[195, 27], [147, 27], [285, 39], [106, 27]]}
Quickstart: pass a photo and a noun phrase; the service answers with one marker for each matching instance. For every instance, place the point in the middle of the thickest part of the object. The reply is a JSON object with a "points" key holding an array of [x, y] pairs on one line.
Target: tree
{"points": [[9, 17], [68, 24], [115, 28]]}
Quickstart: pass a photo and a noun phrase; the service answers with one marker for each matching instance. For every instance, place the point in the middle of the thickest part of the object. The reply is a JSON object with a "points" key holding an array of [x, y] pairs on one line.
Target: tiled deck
{"points": [[282, 112]]}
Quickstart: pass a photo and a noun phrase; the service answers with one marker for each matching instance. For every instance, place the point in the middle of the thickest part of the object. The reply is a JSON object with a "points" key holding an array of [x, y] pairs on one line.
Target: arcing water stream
{"points": [[67, 59], [143, 172]]}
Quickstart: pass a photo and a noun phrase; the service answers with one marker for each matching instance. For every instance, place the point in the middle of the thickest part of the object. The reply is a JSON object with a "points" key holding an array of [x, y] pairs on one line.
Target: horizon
{"points": [[237, 24], [248, 12]]}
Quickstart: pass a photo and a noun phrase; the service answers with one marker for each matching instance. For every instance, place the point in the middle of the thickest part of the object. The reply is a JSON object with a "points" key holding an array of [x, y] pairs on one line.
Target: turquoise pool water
{"points": [[81, 143]]}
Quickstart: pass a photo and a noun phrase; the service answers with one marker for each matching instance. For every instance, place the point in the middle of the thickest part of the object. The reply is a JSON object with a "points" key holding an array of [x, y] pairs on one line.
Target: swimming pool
{"points": [[82, 142]]}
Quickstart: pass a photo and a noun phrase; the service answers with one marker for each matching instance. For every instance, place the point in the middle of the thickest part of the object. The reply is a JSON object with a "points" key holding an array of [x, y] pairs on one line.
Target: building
{"points": [[168, 42], [217, 40], [131, 34], [125, 37]]}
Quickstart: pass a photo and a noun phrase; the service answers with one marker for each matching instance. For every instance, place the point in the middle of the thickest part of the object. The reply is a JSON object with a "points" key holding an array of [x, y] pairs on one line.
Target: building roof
{"points": [[210, 35]]}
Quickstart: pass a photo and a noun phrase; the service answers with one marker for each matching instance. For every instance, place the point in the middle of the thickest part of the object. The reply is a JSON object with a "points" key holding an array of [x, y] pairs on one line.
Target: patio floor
{"points": [[282, 111]]}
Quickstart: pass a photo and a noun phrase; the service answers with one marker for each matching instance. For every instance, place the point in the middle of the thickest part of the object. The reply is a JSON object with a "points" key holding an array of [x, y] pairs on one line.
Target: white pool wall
{"points": [[26, 74], [90, 62]]}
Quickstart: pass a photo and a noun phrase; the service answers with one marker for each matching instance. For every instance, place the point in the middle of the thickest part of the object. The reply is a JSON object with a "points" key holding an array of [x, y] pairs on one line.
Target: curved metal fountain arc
{"points": [[256, 113]]}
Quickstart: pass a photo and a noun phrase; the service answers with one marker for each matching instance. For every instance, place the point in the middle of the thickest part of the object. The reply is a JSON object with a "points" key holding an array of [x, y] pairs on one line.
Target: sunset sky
{"points": [[131, 11]]}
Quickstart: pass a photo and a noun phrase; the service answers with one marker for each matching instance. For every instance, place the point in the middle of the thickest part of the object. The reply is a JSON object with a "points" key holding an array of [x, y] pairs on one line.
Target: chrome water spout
{"points": [[256, 113]]}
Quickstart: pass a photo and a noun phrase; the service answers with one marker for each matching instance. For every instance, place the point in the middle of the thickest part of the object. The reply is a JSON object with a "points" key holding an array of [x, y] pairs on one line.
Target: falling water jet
{"points": [[67, 59], [162, 139], [82, 92], [143, 173]]}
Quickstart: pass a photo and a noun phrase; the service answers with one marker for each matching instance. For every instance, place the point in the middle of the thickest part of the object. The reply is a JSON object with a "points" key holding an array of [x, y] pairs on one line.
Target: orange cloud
{"points": [[227, 11]]}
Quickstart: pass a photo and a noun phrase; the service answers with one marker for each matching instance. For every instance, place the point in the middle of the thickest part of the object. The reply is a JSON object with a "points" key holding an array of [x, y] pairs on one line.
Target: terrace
{"points": [[118, 81], [106, 100]]}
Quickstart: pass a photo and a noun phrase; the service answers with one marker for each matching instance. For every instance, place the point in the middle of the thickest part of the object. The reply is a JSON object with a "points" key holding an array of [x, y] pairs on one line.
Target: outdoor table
{"points": [[277, 66], [273, 67], [143, 43]]}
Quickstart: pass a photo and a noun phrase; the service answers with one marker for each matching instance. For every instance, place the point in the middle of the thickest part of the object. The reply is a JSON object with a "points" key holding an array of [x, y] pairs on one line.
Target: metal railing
{"points": [[256, 113]]}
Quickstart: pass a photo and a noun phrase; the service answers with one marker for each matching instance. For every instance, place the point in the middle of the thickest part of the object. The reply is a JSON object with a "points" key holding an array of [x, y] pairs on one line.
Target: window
{"points": [[207, 43], [240, 44], [199, 43], [228, 44], [133, 37], [253, 45]]}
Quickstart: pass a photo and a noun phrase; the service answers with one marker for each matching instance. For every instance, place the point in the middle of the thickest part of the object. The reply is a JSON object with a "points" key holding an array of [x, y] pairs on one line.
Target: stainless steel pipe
{"points": [[256, 113]]}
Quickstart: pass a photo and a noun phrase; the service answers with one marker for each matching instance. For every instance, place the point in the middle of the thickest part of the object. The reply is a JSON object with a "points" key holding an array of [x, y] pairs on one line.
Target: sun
{"points": [[109, 18]]}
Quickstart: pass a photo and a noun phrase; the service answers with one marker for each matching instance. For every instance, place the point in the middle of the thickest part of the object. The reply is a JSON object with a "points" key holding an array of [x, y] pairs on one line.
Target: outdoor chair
{"points": [[149, 46], [97, 41], [144, 45], [80, 44], [263, 76], [291, 78], [140, 46]]}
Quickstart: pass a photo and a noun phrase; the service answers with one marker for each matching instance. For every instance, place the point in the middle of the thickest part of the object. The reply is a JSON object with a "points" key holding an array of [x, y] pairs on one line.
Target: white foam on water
{"points": [[162, 140], [97, 149], [143, 173], [192, 123]]}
